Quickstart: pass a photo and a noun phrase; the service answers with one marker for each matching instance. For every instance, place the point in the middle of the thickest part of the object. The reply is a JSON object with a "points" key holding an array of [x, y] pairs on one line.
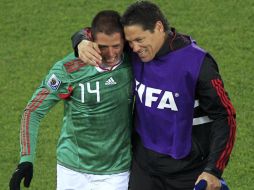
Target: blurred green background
{"points": [[34, 34]]}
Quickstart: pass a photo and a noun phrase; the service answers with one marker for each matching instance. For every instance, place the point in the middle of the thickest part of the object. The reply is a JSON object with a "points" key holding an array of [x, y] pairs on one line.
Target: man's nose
{"points": [[135, 47], [110, 51]]}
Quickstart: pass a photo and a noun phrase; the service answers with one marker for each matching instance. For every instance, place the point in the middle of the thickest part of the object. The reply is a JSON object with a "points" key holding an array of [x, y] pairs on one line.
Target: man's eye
{"points": [[116, 46], [140, 40], [102, 47]]}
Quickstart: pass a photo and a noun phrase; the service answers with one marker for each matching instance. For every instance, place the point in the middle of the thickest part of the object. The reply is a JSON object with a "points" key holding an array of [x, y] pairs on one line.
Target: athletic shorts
{"points": [[68, 179]]}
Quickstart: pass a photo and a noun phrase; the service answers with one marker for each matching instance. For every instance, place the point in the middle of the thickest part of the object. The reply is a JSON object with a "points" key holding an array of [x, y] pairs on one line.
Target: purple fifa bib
{"points": [[165, 93]]}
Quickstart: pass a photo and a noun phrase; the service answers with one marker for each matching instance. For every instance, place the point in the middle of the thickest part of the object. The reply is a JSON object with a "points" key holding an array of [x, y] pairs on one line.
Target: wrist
{"points": [[27, 158], [213, 171]]}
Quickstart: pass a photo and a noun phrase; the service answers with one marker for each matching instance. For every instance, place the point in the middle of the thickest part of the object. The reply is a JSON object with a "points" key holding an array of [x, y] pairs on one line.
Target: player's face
{"points": [[144, 42], [111, 47]]}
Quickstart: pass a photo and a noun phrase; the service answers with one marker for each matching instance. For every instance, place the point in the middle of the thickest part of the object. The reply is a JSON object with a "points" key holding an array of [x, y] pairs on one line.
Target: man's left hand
{"points": [[213, 183]]}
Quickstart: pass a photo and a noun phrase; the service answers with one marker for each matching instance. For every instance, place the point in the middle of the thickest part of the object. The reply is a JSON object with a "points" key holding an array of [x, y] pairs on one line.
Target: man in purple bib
{"points": [[184, 121]]}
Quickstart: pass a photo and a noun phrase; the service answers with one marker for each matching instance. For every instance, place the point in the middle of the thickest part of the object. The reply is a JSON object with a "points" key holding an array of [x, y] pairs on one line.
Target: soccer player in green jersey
{"points": [[94, 148]]}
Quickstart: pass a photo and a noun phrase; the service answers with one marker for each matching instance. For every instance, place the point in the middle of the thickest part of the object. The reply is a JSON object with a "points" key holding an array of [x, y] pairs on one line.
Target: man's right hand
{"points": [[89, 52], [24, 170]]}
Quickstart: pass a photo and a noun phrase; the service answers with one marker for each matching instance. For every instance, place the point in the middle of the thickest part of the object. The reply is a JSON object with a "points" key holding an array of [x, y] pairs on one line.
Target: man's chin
{"points": [[145, 59], [108, 64], [111, 64]]}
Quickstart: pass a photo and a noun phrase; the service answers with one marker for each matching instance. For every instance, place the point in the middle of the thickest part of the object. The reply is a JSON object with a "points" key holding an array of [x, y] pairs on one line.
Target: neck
{"points": [[164, 49], [107, 67]]}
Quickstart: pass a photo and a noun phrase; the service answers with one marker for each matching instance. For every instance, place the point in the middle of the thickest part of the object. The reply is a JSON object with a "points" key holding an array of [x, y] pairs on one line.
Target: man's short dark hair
{"points": [[145, 14], [107, 22]]}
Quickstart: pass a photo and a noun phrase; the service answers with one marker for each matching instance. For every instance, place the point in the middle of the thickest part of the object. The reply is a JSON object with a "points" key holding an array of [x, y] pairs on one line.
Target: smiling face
{"points": [[144, 42], [111, 47]]}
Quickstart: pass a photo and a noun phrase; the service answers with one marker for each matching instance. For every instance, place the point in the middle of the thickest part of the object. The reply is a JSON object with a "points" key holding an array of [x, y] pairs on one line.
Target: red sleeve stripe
{"points": [[218, 85], [23, 133], [74, 65], [35, 103]]}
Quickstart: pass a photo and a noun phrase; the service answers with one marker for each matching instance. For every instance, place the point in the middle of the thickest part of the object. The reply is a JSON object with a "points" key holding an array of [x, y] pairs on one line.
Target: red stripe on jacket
{"points": [[35, 103], [222, 161]]}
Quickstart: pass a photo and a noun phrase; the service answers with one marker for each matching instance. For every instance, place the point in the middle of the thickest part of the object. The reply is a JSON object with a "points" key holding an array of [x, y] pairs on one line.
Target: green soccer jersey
{"points": [[95, 135]]}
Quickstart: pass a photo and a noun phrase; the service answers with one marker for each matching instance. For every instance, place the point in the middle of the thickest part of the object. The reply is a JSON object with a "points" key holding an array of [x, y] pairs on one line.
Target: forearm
{"points": [[215, 102], [32, 115], [223, 132], [39, 105], [84, 34]]}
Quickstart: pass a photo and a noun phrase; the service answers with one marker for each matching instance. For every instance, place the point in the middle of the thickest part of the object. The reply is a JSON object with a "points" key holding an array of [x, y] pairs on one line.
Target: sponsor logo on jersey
{"points": [[53, 82], [110, 81]]}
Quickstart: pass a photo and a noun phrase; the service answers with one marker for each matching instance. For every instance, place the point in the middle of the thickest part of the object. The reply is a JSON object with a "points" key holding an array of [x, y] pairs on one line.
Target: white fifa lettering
{"points": [[150, 97], [137, 83], [167, 97], [167, 100], [140, 90]]}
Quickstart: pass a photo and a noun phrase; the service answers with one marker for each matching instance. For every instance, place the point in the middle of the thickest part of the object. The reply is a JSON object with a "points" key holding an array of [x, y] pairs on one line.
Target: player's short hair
{"points": [[107, 22], [145, 14]]}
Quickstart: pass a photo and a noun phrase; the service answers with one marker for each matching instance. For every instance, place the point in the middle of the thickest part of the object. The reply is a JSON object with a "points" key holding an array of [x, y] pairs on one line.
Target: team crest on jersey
{"points": [[54, 82]]}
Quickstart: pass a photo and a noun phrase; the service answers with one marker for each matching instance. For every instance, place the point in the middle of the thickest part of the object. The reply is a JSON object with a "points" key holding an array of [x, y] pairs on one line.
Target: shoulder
{"points": [[61, 71], [208, 71], [74, 65], [64, 71], [68, 66]]}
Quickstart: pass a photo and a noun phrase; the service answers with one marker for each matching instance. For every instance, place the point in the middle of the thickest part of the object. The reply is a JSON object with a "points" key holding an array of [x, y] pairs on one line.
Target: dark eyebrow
{"points": [[102, 46], [136, 39], [105, 46]]}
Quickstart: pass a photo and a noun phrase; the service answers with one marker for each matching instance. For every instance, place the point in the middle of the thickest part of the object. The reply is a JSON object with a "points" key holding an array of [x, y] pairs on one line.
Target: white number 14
{"points": [[88, 87]]}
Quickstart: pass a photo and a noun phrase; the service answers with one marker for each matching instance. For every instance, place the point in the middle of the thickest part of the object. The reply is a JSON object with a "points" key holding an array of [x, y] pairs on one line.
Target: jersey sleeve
{"points": [[44, 98], [215, 102]]}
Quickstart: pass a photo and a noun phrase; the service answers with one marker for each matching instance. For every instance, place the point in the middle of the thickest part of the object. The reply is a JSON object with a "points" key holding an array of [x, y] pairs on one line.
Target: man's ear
{"points": [[159, 26]]}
